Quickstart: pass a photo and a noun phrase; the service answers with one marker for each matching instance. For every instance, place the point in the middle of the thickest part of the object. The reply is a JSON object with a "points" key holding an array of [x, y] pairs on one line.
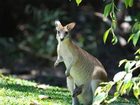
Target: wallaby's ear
{"points": [[70, 26], [57, 24]]}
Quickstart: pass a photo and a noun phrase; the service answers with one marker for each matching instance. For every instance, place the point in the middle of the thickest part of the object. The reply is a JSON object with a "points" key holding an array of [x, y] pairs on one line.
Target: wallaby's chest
{"points": [[65, 52]]}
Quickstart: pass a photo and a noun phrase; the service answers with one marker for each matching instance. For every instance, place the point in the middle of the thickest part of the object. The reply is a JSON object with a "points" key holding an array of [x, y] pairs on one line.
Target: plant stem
{"points": [[135, 68]]}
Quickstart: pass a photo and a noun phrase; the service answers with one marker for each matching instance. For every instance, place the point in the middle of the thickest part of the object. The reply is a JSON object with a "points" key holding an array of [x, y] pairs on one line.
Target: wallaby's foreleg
{"points": [[59, 59], [67, 72]]}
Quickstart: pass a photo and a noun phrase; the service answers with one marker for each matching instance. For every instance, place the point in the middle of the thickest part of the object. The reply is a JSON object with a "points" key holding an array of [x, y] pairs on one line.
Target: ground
{"points": [[14, 91]]}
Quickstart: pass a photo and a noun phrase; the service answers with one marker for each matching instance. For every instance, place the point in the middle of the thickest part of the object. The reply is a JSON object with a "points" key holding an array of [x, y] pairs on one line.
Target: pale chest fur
{"points": [[81, 65], [65, 52], [84, 66]]}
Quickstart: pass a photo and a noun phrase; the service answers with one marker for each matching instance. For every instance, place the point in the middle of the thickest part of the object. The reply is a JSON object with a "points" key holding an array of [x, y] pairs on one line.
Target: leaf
{"points": [[99, 98], [130, 38], [114, 39], [136, 91], [136, 27], [129, 65], [126, 3], [126, 87], [106, 35], [78, 2], [127, 77], [122, 61], [116, 95], [43, 86], [131, 3], [98, 90], [119, 76], [136, 38], [138, 63], [43, 97], [130, 83], [119, 84], [107, 9], [126, 67], [138, 51], [35, 102], [108, 87]]}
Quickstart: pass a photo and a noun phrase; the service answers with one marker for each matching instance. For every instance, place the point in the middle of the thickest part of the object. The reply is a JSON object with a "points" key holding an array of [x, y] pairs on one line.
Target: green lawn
{"points": [[15, 91]]}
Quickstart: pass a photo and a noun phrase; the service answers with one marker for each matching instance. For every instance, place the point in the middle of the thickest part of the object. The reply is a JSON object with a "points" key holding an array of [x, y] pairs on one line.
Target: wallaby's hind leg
{"points": [[87, 94], [71, 86]]}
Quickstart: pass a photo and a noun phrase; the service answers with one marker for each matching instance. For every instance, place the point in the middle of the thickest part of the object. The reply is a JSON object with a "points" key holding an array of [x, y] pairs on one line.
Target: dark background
{"points": [[28, 43]]}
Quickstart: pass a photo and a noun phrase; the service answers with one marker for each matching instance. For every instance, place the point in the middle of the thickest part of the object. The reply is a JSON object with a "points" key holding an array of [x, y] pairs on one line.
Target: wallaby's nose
{"points": [[62, 39]]}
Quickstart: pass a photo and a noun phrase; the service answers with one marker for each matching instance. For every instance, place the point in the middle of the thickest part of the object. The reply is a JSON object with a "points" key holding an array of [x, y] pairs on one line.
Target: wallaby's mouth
{"points": [[62, 39]]}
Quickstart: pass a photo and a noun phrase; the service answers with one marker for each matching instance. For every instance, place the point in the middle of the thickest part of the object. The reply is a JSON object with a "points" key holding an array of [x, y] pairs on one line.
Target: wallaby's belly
{"points": [[81, 72]]}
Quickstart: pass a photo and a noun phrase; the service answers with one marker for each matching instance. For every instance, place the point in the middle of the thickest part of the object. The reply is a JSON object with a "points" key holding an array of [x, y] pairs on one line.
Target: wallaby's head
{"points": [[63, 31]]}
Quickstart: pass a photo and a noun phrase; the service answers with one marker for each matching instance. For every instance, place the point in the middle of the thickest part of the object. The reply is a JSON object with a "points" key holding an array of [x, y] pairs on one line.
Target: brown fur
{"points": [[81, 67]]}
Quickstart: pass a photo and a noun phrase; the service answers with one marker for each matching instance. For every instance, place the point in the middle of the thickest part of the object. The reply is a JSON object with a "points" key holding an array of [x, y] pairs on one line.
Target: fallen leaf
{"points": [[35, 102], [42, 86], [42, 97]]}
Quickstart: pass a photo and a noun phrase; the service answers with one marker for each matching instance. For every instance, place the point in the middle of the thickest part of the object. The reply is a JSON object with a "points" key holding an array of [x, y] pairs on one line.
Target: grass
{"points": [[15, 91]]}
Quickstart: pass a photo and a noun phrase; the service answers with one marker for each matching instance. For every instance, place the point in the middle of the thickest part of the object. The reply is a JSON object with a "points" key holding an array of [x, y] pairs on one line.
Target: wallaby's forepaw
{"points": [[55, 64], [67, 73]]}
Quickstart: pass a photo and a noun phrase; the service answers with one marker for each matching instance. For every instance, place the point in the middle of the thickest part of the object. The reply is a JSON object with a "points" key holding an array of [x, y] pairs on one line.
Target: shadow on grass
{"points": [[18, 87], [54, 93]]}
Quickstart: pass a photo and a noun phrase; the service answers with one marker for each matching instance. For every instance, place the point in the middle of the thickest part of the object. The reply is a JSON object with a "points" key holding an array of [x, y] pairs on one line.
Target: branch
{"points": [[118, 31], [135, 68], [105, 19], [22, 47]]}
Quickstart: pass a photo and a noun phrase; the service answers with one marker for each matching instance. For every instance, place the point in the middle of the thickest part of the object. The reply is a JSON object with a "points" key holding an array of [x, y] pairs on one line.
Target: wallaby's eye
{"points": [[66, 32]]}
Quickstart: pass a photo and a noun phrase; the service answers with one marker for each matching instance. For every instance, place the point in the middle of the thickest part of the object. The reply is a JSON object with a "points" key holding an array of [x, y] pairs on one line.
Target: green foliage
{"points": [[110, 9], [135, 33], [128, 3], [107, 9], [114, 38], [124, 80], [78, 2], [38, 37], [106, 35]]}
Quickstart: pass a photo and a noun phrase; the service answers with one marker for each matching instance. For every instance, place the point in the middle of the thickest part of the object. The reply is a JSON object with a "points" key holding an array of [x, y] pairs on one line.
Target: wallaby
{"points": [[82, 69], [77, 90]]}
